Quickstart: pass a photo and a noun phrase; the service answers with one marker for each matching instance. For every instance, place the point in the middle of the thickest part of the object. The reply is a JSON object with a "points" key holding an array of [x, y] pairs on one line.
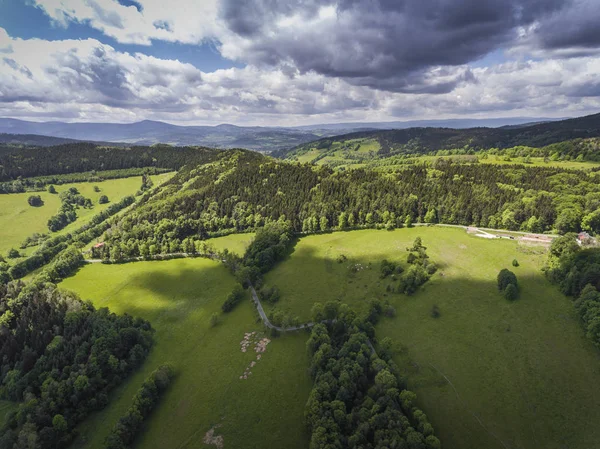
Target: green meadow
{"points": [[19, 220], [178, 297], [235, 243], [488, 373]]}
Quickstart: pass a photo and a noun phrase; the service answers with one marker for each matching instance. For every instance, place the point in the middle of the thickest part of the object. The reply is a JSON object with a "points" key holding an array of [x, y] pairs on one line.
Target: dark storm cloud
{"points": [[589, 89], [577, 25], [389, 44]]}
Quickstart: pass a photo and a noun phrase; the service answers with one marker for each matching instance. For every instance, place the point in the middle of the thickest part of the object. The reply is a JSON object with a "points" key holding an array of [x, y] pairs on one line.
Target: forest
{"points": [[213, 199], [61, 358], [30, 162], [358, 399]]}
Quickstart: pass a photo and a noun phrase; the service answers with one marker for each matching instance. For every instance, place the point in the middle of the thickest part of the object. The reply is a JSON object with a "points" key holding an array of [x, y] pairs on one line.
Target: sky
{"points": [[297, 62]]}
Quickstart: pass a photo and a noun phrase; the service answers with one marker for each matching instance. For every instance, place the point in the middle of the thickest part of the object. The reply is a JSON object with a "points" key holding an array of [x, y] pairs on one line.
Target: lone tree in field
{"points": [[103, 199], [51, 189], [35, 201], [507, 284], [506, 277]]}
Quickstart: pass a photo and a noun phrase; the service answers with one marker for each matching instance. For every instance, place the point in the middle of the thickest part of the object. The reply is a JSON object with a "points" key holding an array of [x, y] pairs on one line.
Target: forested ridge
{"points": [[428, 140], [247, 190], [83, 157]]}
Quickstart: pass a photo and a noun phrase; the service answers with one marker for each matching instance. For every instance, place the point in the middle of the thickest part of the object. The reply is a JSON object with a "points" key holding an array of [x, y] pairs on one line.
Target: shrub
{"points": [[103, 199], [51, 189], [506, 277], [387, 268], [431, 268], [435, 311], [375, 311], [96, 189], [4, 276], [317, 312], [390, 311], [214, 319], [412, 279], [233, 299], [331, 309], [270, 295], [511, 292], [13, 254], [515, 263], [35, 201]]}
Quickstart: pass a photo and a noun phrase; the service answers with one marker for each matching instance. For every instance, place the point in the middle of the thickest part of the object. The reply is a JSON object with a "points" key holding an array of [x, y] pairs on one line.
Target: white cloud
{"points": [[86, 80], [185, 21]]}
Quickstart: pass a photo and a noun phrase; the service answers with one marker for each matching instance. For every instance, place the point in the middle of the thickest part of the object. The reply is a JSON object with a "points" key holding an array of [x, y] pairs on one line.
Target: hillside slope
{"points": [[428, 140]]}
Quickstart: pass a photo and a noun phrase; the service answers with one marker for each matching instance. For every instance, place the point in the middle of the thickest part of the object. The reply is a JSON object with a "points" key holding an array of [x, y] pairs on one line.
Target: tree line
{"points": [[576, 271], [71, 200], [145, 400], [40, 183]]}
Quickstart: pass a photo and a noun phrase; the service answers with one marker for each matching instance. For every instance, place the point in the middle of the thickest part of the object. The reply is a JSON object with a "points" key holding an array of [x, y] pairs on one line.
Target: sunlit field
{"points": [[178, 297], [488, 373], [19, 220]]}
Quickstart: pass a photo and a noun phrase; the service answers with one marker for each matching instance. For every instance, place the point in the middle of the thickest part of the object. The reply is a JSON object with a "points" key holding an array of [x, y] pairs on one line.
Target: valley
{"points": [[452, 295]]}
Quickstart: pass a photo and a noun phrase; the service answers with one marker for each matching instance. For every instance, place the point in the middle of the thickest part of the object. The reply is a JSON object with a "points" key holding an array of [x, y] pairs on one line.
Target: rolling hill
{"points": [[427, 140], [257, 138]]}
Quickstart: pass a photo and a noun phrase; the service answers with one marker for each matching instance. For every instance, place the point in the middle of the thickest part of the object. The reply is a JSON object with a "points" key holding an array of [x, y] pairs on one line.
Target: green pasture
{"points": [[178, 297], [487, 372], [18, 219], [235, 243]]}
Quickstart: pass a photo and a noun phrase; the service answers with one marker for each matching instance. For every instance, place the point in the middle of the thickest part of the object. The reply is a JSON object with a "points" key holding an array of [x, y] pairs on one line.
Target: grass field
{"points": [[19, 220], [178, 297], [235, 243], [488, 373]]}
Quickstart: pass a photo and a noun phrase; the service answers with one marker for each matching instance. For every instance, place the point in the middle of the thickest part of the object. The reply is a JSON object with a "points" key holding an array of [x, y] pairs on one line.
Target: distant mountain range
{"points": [[257, 138], [43, 141], [425, 140]]}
